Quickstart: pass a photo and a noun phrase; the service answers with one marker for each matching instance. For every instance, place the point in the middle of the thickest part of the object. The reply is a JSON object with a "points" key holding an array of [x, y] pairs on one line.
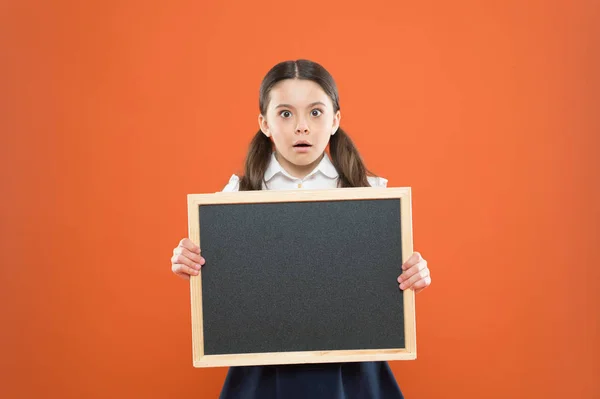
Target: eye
{"points": [[285, 114], [316, 112]]}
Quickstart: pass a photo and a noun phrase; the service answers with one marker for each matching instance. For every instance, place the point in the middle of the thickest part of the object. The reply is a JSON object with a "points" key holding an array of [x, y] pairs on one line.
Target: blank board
{"points": [[301, 277]]}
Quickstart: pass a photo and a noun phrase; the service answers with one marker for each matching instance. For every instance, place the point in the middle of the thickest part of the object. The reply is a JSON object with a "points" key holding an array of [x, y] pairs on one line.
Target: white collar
{"points": [[325, 167]]}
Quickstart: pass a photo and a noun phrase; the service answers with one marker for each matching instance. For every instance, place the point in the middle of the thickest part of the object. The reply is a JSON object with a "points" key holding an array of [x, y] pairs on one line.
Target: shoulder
{"points": [[376, 181], [232, 185]]}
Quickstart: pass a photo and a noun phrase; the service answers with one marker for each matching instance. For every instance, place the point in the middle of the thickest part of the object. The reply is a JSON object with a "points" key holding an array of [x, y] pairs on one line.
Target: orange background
{"points": [[111, 112]]}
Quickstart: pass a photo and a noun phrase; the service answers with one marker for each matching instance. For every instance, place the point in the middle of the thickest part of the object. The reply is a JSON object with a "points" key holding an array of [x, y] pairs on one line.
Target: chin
{"points": [[305, 159]]}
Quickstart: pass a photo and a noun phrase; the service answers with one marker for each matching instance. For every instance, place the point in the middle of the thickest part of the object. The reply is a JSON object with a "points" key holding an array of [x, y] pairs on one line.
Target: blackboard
{"points": [[301, 276]]}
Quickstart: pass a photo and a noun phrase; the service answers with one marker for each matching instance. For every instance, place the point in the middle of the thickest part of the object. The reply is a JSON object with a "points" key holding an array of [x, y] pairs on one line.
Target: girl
{"points": [[299, 116]]}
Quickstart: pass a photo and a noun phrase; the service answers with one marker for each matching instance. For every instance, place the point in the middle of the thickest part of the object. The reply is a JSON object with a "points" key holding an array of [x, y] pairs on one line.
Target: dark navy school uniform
{"points": [[360, 380]]}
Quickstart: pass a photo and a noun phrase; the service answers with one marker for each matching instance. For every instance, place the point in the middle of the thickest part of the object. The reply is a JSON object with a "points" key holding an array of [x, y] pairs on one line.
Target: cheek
{"points": [[280, 128], [324, 123], [324, 128]]}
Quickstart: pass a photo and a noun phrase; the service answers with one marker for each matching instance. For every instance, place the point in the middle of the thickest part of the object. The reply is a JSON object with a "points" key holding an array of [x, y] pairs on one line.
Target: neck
{"points": [[297, 171]]}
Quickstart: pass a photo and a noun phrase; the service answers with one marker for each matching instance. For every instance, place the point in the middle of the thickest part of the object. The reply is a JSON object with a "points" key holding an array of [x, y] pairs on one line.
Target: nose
{"points": [[302, 128]]}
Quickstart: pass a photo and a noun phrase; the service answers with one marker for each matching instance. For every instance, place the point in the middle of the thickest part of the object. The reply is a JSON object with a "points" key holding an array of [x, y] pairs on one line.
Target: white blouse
{"points": [[322, 177]]}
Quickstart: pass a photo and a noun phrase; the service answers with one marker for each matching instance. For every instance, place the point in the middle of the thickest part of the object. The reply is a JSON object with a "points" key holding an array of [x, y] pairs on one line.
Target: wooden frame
{"points": [[201, 360]]}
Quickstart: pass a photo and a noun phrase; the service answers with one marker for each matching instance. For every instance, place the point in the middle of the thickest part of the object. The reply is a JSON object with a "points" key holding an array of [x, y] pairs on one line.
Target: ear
{"points": [[264, 126], [336, 122]]}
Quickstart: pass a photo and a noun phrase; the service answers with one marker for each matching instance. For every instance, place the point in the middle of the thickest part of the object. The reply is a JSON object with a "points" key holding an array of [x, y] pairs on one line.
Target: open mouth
{"points": [[302, 144]]}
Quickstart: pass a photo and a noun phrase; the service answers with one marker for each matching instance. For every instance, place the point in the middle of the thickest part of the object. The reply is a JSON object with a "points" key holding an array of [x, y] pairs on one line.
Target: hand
{"points": [[186, 260], [415, 274]]}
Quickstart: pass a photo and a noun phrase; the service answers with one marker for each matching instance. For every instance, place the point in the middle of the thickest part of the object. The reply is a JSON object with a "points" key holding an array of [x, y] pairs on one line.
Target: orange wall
{"points": [[111, 112]]}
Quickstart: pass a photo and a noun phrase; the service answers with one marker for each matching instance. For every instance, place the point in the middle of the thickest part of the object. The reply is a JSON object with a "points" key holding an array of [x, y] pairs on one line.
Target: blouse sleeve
{"points": [[233, 185], [376, 181]]}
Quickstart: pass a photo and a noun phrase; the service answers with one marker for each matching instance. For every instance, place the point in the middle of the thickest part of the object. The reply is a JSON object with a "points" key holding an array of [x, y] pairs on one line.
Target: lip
{"points": [[302, 149], [302, 142]]}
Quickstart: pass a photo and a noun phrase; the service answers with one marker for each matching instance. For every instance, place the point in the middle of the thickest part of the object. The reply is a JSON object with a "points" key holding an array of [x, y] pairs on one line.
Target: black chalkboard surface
{"points": [[301, 276]]}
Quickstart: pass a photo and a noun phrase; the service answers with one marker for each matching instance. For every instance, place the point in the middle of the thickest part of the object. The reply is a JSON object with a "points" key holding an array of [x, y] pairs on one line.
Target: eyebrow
{"points": [[291, 106]]}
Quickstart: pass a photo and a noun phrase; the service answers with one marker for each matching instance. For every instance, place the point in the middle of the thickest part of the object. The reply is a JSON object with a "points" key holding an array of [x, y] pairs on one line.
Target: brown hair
{"points": [[344, 155]]}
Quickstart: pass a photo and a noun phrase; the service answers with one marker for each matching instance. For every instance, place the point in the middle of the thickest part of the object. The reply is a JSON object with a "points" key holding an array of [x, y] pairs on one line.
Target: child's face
{"points": [[300, 119]]}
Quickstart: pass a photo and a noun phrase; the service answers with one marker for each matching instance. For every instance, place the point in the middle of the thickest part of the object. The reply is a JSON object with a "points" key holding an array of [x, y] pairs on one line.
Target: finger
{"points": [[184, 269], [413, 279], [421, 284], [412, 271], [408, 284], [184, 260], [194, 257], [412, 260], [189, 245]]}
